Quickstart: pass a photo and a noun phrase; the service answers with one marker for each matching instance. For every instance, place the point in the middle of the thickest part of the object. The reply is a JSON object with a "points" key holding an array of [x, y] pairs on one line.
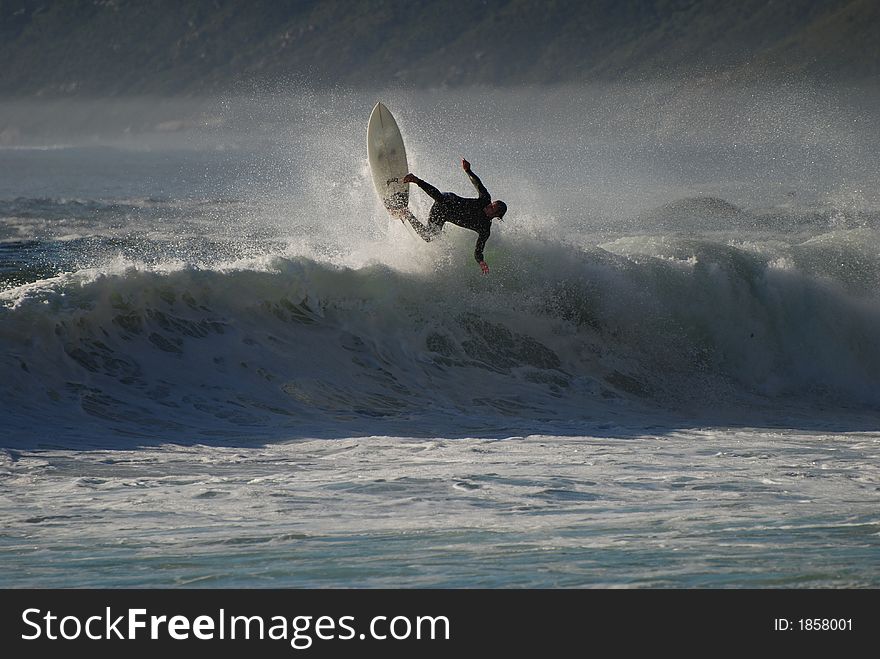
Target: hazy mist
{"points": [[596, 153]]}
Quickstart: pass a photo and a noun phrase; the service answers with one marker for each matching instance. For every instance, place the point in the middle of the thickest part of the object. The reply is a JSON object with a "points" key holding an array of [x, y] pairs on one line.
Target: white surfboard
{"points": [[387, 156]]}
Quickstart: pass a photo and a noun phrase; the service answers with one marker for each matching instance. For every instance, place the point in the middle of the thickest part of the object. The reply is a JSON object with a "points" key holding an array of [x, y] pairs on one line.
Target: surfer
{"points": [[471, 213]]}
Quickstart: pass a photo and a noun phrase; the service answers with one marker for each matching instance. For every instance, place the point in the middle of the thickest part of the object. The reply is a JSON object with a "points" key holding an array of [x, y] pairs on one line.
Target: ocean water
{"points": [[224, 365]]}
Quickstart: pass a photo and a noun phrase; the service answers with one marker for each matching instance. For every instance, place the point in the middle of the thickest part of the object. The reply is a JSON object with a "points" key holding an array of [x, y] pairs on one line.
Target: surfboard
{"points": [[387, 156]]}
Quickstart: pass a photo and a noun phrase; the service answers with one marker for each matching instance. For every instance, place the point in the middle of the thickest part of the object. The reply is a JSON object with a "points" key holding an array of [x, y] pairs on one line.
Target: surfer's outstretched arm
{"points": [[478, 250], [433, 192], [475, 181]]}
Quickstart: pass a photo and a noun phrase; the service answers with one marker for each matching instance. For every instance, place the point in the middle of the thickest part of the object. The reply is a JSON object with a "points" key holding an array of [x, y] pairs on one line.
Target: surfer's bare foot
{"points": [[465, 165]]}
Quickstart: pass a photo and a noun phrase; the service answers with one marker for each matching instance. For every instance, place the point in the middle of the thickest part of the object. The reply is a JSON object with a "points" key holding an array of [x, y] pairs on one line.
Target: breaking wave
{"points": [[291, 345]]}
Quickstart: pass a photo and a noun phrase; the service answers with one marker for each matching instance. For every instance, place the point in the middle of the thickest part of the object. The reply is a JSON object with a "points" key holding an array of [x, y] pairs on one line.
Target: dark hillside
{"points": [[116, 47]]}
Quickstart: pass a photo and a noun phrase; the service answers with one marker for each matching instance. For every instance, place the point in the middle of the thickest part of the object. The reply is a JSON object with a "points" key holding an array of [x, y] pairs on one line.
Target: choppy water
{"points": [[706, 507]]}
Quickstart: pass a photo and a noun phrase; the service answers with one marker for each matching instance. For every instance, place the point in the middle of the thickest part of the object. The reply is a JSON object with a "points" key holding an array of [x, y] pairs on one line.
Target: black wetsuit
{"points": [[466, 212]]}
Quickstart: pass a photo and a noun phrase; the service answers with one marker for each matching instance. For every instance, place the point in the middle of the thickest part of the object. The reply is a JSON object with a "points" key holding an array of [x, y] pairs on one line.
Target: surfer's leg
{"points": [[437, 217], [425, 232]]}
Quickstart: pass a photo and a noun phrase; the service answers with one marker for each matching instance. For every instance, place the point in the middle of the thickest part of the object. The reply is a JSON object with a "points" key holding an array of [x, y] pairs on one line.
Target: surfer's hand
{"points": [[409, 178], [465, 165], [484, 267]]}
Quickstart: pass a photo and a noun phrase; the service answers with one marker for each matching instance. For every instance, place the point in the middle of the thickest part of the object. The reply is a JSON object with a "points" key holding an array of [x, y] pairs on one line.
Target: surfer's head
{"points": [[496, 209]]}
